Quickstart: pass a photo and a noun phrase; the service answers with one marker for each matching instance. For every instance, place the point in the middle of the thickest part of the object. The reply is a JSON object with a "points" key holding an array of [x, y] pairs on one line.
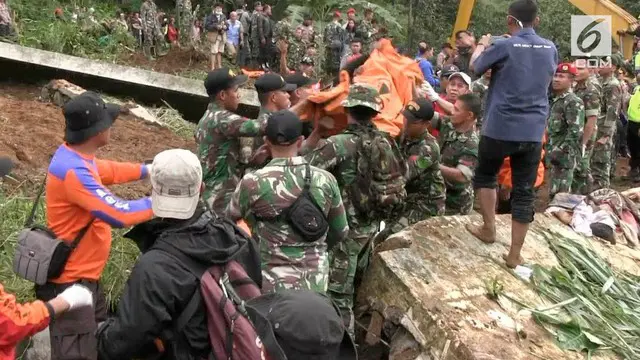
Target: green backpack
{"points": [[379, 186]]}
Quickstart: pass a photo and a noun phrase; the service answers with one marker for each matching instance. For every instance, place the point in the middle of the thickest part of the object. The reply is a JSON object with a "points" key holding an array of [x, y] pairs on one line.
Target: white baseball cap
{"points": [[176, 177], [466, 78]]}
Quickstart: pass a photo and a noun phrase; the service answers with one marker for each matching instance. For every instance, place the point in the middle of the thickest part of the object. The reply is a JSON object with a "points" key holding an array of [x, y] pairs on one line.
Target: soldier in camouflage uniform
{"points": [[254, 38], [185, 20], [607, 122], [265, 38], [565, 128], [273, 93], [152, 33], [218, 138], [289, 260], [480, 87], [338, 155], [366, 30], [426, 191], [295, 49], [458, 140], [334, 36], [586, 90]]}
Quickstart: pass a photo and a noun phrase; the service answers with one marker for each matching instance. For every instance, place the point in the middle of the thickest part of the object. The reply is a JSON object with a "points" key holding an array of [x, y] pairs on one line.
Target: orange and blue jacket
{"points": [[18, 321], [76, 193]]}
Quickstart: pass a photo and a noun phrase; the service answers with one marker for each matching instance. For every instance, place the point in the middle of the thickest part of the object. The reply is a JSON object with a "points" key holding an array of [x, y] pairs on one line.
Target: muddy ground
{"points": [[176, 62], [30, 131]]}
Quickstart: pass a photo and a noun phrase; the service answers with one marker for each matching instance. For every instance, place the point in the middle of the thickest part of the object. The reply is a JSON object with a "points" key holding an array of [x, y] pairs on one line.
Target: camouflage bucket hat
{"points": [[363, 95]]}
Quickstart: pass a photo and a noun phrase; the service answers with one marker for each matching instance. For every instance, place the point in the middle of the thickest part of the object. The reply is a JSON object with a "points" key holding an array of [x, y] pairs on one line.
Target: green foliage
{"points": [[14, 210], [596, 306], [38, 28]]}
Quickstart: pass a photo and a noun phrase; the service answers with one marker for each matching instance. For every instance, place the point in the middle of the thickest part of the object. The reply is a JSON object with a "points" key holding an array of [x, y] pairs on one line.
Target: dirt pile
{"points": [[176, 62], [30, 131]]}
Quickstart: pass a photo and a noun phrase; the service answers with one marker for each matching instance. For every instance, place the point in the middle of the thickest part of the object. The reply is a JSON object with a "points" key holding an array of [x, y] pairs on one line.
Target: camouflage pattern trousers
{"points": [[348, 260], [601, 165], [152, 36], [561, 177], [582, 178]]}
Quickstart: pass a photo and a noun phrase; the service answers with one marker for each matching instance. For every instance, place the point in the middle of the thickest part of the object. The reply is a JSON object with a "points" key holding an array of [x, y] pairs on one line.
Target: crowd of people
{"points": [[253, 40], [300, 212]]}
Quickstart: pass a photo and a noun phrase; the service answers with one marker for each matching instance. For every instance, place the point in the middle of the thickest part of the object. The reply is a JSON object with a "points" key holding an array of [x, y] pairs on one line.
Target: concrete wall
{"points": [[186, 95]]}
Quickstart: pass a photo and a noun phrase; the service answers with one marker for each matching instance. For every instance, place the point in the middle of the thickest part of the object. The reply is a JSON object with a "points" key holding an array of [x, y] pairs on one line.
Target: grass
{"points": [[15, 206], [37, 27], [593, 307]]}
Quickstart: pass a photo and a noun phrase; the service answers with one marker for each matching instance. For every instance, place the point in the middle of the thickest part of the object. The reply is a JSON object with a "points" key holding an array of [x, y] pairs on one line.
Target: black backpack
{"points": [[304, 215]]}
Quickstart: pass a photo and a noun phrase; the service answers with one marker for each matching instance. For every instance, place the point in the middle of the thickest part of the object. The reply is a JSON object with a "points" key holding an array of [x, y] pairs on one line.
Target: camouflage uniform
{"points": [[458, 150], [564, 142], [282, 30], [426, 190], [607, 122], [480, 88], [338, 155], [288, 260], [185, 20], [295, 52], [366, 31], [249, 145], [217, 136], [150, 26], [582, 178], [334, 42], [254, 36]]}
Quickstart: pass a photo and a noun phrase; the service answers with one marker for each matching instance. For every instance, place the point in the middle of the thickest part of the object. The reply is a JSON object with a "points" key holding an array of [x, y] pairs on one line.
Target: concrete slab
{"points": [[441, 278], [186, 95]]}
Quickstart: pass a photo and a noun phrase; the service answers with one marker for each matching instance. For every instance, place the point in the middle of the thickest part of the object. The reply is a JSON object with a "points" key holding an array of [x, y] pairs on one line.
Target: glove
{"points": [[428, 91], [77, 296]]}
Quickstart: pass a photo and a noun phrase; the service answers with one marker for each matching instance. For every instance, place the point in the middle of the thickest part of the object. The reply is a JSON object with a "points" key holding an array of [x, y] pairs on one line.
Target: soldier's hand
{"points": [[603, 140], [261, 156], [263, 41]]}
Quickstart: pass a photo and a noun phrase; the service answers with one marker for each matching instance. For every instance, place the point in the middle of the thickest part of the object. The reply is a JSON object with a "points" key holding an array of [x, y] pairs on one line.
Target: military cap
{"points": [[283, 127], [257, 3], [351, 11], [419, 109], [272, 82], [299, 80], [222, 79], [447, 70], [567, 68], [363, 95]]}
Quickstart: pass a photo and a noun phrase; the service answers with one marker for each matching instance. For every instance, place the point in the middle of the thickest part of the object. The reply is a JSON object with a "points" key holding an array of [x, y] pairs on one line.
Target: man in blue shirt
{"points": [[517, 105], [425, 52]]}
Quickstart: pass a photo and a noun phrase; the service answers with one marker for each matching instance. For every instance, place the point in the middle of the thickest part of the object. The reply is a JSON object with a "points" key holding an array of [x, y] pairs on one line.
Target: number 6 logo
{"points": [[590, 35], [587, 33]]}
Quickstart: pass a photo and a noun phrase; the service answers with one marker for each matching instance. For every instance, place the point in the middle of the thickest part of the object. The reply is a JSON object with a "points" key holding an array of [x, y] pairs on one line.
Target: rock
{"points": [[437, 288], [59, 92]]}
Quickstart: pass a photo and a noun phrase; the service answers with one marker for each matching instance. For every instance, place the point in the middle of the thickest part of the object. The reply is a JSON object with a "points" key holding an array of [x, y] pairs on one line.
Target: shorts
{"points": [[72, 334], [217, 41], [525, 158], [231, 49]]}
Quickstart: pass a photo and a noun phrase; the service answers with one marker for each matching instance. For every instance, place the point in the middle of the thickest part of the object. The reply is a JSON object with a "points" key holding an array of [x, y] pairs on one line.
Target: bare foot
{"points": [[511, 263], [481, 232]]}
